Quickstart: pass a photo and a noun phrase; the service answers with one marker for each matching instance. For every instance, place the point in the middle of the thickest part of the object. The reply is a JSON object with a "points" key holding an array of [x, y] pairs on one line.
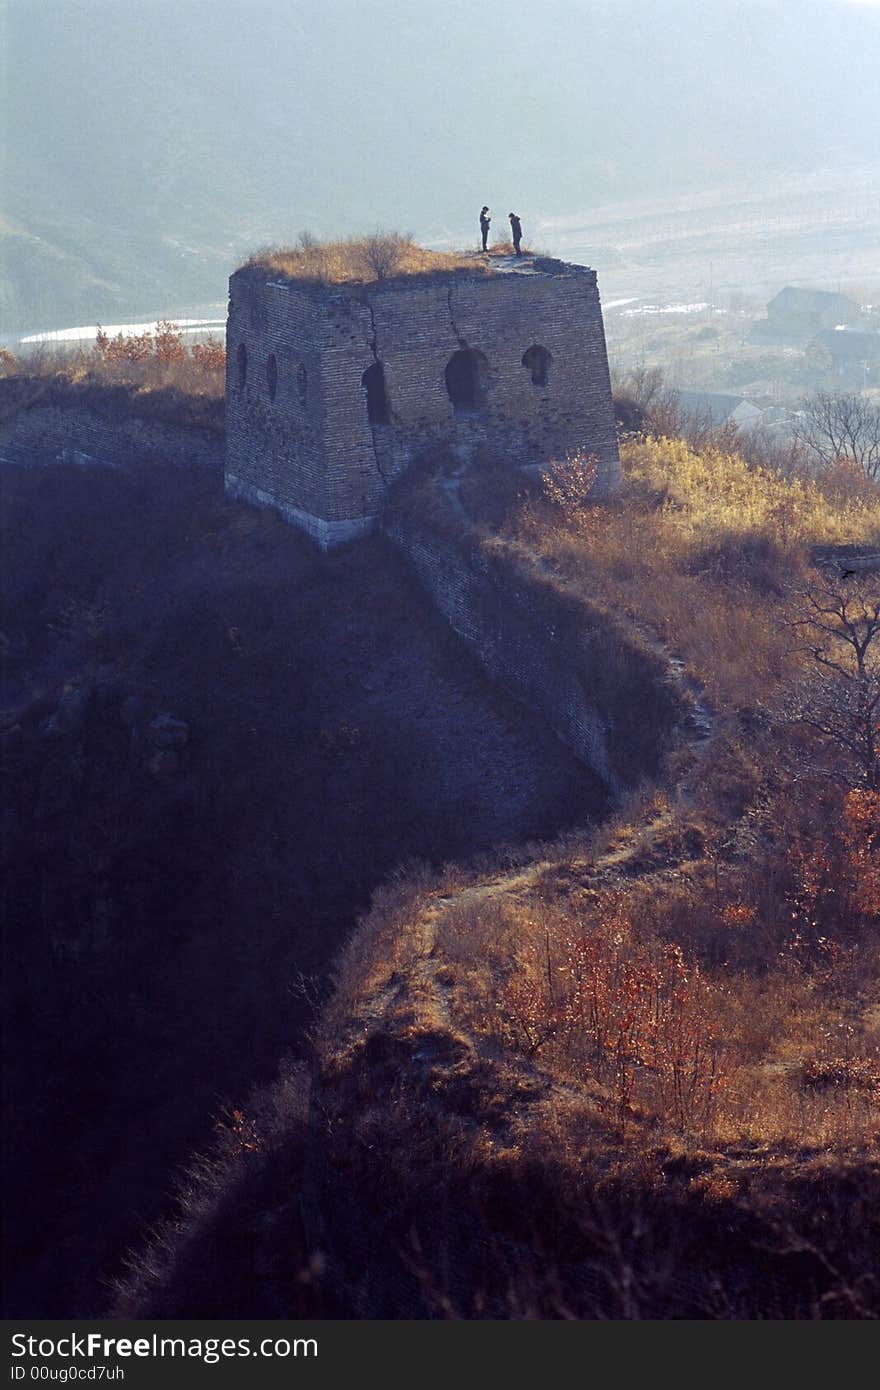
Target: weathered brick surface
{"points": [[315, 456], [528, 658], [80, 436], [607, 693]]}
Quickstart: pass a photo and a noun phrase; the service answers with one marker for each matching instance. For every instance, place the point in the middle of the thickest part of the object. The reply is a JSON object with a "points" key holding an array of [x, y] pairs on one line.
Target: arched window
{"points": [[467, 382], [373, 382], [272, 375], [538, 360], [241, 359], [302, 384]]}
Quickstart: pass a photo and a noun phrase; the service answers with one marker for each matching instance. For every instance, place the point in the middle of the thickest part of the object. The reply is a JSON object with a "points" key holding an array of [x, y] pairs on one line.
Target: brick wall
{"points": [[83, 437], [510, 644], [562, 660], [605, 693]]}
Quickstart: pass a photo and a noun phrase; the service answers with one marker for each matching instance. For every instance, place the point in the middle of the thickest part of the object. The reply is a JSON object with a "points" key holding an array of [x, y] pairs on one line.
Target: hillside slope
{"points": [[634, 1073], [216, 744]]}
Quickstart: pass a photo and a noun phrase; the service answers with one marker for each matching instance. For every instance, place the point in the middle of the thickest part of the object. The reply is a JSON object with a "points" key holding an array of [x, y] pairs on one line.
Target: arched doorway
{"points": [[373, 382], [467, 374], [537, 359]]}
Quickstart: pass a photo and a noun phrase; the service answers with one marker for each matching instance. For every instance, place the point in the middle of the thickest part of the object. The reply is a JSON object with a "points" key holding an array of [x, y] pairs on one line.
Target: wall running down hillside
{"points": [[82, 437], [610, 699], [605, 694]]}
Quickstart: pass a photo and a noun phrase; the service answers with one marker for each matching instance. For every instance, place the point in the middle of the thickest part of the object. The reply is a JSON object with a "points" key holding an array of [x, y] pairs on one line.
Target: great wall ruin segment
{"points": [[333, 390]]}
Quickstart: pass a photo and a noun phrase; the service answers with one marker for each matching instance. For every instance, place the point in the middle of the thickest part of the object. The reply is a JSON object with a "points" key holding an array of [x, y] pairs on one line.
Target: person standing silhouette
{"points": [[516, 232], [485, 219]]}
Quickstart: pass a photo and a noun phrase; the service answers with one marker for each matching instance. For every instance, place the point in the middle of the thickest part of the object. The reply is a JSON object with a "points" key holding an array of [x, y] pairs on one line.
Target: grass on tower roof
{"points": [[363, 260]]}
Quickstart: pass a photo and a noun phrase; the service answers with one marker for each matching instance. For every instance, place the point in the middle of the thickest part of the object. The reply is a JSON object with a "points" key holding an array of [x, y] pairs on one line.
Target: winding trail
{"points": [[420, 978]]}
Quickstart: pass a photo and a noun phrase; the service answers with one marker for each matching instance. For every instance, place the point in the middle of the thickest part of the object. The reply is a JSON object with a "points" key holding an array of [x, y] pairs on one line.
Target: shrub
{"points": [[568, 486], [209, 356], [152, 374], [637, 1017], [842, 1073]]}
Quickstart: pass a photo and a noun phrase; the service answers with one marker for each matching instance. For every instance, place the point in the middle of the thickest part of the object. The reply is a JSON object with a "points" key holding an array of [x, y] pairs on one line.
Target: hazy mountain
{"points": [[149, 144]]}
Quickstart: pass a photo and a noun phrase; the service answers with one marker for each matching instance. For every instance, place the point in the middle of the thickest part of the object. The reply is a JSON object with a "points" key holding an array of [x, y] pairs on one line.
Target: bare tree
{"points": [[640, 385], [839, 621], [382, 253], [645, 402], [840, 427], [762, 447]]}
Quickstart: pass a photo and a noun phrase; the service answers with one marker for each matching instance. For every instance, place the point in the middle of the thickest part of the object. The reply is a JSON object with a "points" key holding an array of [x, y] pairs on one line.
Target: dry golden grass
{"points": [[506, 248], [764, 1000], [386, 949], [780, 1053], [363, 260], [701, 551], [713, 494], [781, 1057], [683, 1003]]}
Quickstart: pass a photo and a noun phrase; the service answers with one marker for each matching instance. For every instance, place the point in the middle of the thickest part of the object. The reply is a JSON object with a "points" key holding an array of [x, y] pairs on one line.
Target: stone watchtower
{"points": [[332, 390]]}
